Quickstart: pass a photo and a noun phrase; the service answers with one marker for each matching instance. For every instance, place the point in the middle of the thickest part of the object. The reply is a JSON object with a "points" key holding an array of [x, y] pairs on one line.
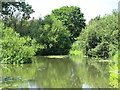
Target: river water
{"points": [[55, 73]]}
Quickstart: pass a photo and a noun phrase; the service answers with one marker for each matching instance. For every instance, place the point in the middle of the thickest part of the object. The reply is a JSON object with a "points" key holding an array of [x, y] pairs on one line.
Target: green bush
{"points": [[16, 49], [114, 77], [100, 38], [51, 34]]}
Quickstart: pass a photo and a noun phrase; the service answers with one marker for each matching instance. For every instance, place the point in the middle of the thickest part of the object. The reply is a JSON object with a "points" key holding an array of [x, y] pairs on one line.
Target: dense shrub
{"points": [[100, 37], [51, 34], [114, 77], [16, 49]]}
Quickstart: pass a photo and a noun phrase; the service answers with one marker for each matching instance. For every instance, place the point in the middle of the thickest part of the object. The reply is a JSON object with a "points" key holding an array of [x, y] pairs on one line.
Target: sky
{"points": [[90, 8]]}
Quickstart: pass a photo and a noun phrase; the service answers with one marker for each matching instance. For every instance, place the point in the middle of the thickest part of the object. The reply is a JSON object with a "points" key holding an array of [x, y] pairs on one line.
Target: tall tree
{"points": [[10, 8], [14, 12], [73, 19]]}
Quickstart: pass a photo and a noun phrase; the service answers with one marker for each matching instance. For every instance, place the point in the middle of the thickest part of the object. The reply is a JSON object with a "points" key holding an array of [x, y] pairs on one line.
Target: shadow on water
{"points": [[55, 73]]}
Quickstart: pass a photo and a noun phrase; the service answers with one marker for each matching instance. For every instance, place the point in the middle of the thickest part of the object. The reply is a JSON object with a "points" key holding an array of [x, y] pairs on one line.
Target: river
{"points": [[55, 73]]}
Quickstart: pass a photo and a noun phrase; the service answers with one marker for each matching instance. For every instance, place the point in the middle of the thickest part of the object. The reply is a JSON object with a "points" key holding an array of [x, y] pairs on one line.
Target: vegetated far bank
{"points": [[57, 31], [24, 38], [55, 34], [99, 39]]}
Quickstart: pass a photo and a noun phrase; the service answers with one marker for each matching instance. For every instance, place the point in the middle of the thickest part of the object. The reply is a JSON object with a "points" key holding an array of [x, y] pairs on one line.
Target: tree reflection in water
{"points": [[57, 73]]}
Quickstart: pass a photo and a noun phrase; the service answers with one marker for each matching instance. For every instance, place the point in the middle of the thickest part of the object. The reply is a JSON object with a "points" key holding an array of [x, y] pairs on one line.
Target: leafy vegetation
{"points": [[114, 77], [100, 38], [52, 34], [14, 14], [16, 49], [14, 8], [72, 18]]}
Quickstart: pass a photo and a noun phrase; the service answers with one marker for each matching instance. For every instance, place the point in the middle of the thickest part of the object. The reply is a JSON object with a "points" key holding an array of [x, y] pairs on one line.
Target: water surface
{"points": [[55, 73]]}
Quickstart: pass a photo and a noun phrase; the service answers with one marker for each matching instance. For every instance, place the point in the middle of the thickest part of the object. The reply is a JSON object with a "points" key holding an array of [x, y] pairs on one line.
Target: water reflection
{"points": [[55, 73]]}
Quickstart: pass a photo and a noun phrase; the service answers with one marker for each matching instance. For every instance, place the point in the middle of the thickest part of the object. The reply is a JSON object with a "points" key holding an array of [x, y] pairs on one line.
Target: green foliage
{"points": [[55, 32], [58, 37], [10, 8], [76, 54], [49, 33], [99, 38], [21, 26], [52, 34], [114, 77], [72, 18], [14, 14], [115, 57], [16, 49]]}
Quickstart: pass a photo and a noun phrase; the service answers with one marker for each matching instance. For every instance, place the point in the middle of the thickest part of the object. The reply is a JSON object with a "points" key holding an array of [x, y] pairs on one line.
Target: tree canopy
{"points": [[14, 12], [72, 18], [52, 34], [10, 8], [100, 37]]}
